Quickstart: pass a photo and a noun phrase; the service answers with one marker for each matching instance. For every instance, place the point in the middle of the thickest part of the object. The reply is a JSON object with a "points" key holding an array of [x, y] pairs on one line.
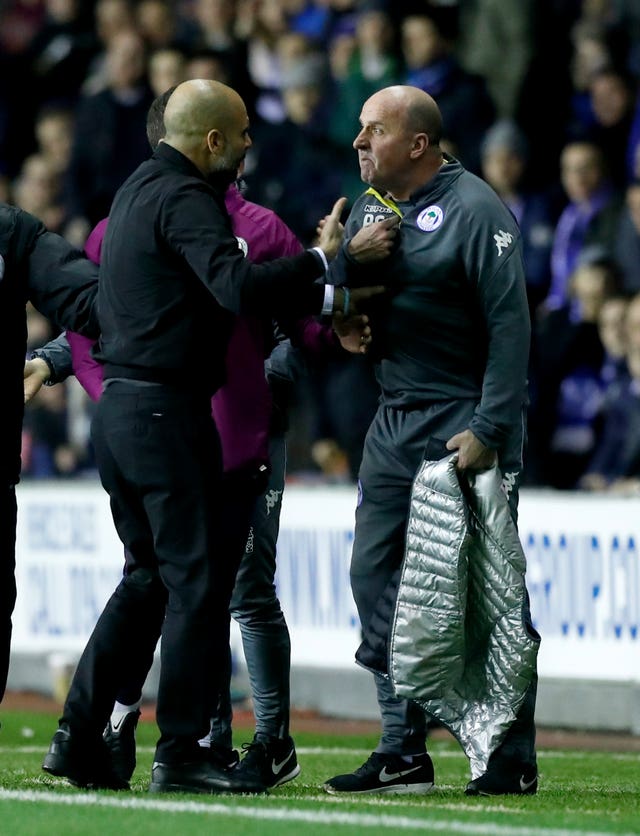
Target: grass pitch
{"points": [[588, 793]]}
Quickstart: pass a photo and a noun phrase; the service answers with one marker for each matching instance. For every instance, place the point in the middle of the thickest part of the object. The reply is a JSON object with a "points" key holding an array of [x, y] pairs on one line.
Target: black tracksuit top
{"points": [[456, 323]]}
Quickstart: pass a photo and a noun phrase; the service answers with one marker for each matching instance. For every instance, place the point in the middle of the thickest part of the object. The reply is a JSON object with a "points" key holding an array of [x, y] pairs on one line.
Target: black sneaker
{"points": [[83, 765], [500, 781], [269, 760], [120, 737], [383, 773]]}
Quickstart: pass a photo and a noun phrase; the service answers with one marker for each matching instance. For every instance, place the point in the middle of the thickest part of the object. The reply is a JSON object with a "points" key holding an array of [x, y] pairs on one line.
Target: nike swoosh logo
{"points": [[278, 767], [115, 724], [385, 776], [524, 785]]}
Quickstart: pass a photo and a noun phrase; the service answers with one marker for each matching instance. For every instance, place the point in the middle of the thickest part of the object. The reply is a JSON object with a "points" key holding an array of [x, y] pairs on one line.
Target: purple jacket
{"points": [[242, 406]]}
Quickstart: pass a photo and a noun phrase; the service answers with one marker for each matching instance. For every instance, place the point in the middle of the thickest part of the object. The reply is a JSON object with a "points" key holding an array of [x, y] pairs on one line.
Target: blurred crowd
{"points": [[541, 98]]}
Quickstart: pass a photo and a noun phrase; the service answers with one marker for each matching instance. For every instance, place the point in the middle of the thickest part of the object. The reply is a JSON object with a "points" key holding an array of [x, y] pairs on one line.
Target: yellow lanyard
{"points": [[386, 201]]}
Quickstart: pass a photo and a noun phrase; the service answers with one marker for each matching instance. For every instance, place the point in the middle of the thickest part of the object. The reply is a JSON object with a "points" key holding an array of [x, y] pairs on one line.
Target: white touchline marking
{"points": [[356, 753], [365, 820]]}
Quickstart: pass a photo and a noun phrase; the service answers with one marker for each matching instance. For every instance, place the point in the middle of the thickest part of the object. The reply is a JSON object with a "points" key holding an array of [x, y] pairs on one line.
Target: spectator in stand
{"points": [[109, 138], [207, 63], [48, 449], [504, 154], [608, 122], [588, 217], [615, 465], [112, 17], [496, 41], [428, 39], [60, 54], [19, 23], [37, 190], [162, 27], [612, 329], [223, 28], [626, 247], [166, 68], [371, 63], [39, 329], [567, 360], [293, 160], [590, 55], [54, 130]]}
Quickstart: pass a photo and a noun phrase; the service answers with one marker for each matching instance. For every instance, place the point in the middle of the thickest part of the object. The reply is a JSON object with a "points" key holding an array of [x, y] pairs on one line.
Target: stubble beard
{"points": [[367, 171]]}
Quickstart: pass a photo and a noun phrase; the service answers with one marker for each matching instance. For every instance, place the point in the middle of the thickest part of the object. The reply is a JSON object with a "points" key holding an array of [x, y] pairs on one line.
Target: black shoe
{"points": [[222, 757], [270, 760], [503, 781], [199, 776], [120, 738], [383, 773], [84, 766]]}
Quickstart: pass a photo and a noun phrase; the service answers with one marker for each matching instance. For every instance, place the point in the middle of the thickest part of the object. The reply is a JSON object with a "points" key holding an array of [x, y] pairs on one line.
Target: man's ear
{"points": [[419, 145], [215, 141]]}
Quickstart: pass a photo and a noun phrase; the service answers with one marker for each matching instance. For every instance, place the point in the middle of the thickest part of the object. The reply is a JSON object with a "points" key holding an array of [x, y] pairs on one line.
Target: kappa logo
{"points": [[243, 246], [508, 483], [272, 499], [377, 209], [502, 239], [250, 541], [430, 218]]}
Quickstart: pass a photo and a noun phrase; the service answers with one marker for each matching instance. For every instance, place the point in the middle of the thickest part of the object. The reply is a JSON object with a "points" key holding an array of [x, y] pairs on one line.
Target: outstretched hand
{"points": [[374, 241], [36, 373], [330, 229]]}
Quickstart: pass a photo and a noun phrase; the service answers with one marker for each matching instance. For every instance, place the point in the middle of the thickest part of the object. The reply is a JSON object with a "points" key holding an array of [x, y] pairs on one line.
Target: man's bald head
{"points": [[199, 105], [416, 110], [399, 143], [207, 122]]}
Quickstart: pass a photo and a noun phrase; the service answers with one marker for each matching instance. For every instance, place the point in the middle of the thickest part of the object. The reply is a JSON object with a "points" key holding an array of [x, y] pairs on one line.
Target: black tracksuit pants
{"points": [[396, 444]]}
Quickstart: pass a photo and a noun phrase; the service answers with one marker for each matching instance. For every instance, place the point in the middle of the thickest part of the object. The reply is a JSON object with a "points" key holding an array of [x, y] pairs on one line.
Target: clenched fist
{"points": [[374, 242]]}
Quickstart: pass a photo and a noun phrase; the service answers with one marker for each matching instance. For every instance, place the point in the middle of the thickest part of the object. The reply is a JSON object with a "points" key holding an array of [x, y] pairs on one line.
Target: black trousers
{"points": [[396, 444], [249, 534], [159, 459], [8, 520], [237, 505]]}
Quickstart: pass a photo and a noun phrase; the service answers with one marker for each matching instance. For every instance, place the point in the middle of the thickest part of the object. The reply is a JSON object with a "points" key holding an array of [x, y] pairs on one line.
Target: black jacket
{"points": [[40, 267], [171, 265]]}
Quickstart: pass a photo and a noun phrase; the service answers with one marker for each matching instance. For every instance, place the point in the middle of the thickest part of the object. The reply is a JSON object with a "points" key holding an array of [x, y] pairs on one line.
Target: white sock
{"points": [[120, 710]]}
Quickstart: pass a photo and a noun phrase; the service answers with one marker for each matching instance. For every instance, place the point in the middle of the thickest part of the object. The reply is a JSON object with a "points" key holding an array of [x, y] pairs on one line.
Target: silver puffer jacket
{"points": [[458, 643]]}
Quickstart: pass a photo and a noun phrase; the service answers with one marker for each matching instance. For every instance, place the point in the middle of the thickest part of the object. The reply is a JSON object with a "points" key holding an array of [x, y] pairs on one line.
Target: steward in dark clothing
{"points": [[40, 267]]}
